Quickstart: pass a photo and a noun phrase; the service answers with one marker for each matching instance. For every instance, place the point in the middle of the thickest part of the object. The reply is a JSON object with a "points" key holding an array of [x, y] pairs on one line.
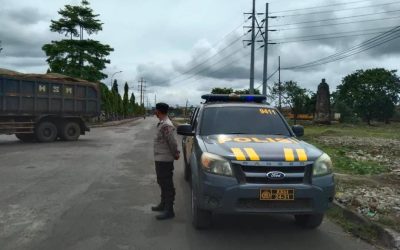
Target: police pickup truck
{"points": [[241, 156]]}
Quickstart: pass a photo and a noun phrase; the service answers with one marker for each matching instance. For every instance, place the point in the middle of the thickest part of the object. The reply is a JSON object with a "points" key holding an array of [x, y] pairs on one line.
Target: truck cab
{"points": [[242, 157]]}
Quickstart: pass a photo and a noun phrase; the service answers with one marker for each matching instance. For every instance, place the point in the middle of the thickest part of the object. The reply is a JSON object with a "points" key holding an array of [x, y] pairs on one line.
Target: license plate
{"points": [[277, 194]]}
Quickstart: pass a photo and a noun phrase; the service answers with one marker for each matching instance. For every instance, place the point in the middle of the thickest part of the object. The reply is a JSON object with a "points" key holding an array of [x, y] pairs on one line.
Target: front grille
{"points": [[258, 169], [258, 174], [295, 205], [265, 180]]}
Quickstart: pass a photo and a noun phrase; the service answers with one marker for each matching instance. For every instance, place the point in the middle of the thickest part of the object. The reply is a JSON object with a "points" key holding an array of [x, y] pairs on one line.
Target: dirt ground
{"points": [[367, 170]]}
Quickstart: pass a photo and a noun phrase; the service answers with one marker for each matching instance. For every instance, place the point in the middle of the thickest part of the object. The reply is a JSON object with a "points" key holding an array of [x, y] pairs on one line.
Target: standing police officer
{"points": [[165, 152]]}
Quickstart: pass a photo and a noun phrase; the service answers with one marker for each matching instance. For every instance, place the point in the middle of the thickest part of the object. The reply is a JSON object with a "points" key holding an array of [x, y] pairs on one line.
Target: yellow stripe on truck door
{"points": [[238, 154], [252, 154]]}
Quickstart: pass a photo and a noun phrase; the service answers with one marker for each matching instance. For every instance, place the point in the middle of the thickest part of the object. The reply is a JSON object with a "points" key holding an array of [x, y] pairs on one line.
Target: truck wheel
{"points": [[309, 221], [46, 132], [70, 131], [26, 137], [201, 219]]}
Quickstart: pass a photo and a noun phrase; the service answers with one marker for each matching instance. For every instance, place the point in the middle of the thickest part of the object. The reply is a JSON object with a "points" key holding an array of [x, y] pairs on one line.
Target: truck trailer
{"points": [[45, 107]]}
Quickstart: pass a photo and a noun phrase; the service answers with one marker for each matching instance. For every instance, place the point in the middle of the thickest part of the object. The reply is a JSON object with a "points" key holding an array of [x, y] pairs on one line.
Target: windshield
{"points": [[242, 120]]}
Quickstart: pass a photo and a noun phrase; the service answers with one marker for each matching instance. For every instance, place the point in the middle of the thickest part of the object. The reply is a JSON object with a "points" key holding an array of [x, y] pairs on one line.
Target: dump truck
{"points": [[45, 107]]}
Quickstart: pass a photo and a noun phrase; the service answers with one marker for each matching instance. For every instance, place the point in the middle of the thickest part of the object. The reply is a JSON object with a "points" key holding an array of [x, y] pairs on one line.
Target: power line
{"points": [[318, 7], [330, 37], [203, 70], [208, 59], [328, 34], [336, 24], [219, 69], [213, 56], [269, 77], [366, 45], [330, 11], [357, 52], [339, 18], [359, 46]]}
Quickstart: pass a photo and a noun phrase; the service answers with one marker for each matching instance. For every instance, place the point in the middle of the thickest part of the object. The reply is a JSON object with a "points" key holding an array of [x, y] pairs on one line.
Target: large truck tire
{"points": [[46, 132], [70, 131], [309, 221], [201, 219], [26, 137]]}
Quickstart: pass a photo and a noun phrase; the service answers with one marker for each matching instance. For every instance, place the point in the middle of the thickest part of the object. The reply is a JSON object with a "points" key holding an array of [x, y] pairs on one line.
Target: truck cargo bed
{"points": [[33, 95]]}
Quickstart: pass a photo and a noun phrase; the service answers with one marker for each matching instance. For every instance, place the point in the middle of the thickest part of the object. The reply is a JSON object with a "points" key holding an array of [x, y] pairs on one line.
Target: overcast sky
{"points": [[161, 40]]}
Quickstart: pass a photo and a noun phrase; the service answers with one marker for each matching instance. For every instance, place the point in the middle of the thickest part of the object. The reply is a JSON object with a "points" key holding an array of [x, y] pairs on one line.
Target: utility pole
{"points": [[279, 83], [253, 43], [142, 86], [155, 100], [265, 73], [265, 35]]}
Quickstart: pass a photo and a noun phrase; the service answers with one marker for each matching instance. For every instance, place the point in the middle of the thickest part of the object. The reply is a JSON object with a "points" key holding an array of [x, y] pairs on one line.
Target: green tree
{"points": [[132, 104], [230, 91], [105, 100], [246, 92], [222, 91], [311, 103], [293, 96], [77, 57], [115, 86], [125, 101], [371, 94]]}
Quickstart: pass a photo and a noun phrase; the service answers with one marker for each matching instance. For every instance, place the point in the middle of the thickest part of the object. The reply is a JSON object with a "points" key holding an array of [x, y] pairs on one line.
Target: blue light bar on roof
{"points": [[233, 98]]}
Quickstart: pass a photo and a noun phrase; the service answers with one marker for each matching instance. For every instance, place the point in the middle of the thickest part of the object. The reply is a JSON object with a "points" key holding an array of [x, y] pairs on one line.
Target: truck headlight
{"points": [[322, 166], [215, 164]]}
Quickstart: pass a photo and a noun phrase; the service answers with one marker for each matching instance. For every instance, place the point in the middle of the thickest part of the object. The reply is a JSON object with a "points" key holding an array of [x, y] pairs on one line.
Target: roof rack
{"points": [[233, 98]]}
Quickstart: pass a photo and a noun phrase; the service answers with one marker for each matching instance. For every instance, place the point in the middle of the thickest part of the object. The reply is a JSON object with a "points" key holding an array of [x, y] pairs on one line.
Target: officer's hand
{"points": [[177, 156]]}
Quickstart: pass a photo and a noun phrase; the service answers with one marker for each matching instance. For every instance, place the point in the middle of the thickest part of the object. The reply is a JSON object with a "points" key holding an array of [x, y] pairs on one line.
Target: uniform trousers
{"points": [[165, 173]]}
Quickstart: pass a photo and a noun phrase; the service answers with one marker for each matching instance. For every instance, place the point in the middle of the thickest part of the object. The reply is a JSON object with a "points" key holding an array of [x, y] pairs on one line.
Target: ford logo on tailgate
{"points": [[275, 175]]}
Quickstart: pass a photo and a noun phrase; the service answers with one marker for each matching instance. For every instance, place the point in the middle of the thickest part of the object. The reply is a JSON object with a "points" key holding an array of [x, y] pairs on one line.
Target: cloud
{"points": [[155, 74], [23, 32], [24, 15], [165, 49]]}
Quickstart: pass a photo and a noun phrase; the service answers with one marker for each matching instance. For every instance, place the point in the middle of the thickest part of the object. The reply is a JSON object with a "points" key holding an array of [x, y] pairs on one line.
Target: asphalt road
{"points": [[96, 193]]}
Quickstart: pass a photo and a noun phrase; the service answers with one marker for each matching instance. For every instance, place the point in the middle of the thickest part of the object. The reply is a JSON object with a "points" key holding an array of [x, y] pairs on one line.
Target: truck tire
{"points": [[201, 219], [309, 221], [70, 131], [26, 137], [46, 132]]}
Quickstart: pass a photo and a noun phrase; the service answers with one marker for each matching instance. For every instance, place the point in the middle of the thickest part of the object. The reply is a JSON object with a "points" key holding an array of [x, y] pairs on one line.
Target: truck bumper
{"points": [[225, 195]]}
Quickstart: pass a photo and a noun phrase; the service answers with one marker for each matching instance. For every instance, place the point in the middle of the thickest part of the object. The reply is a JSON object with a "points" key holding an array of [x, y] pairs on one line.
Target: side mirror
{"points": [[298, 130], [185, 130]]}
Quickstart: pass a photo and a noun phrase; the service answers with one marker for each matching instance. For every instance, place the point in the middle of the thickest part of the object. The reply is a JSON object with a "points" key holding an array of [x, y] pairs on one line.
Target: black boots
{"points": [[168, 213], [159, 207]]}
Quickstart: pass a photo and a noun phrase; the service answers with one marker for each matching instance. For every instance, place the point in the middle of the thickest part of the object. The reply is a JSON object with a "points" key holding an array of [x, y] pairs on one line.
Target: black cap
{"points": [[162, 107]]}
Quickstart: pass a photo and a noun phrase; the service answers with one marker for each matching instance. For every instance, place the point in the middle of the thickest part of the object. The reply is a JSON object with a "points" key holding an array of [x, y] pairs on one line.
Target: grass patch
{"points": [[365, 232], [341, 162], [344, 164], [388, 131], [390, 222]]}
